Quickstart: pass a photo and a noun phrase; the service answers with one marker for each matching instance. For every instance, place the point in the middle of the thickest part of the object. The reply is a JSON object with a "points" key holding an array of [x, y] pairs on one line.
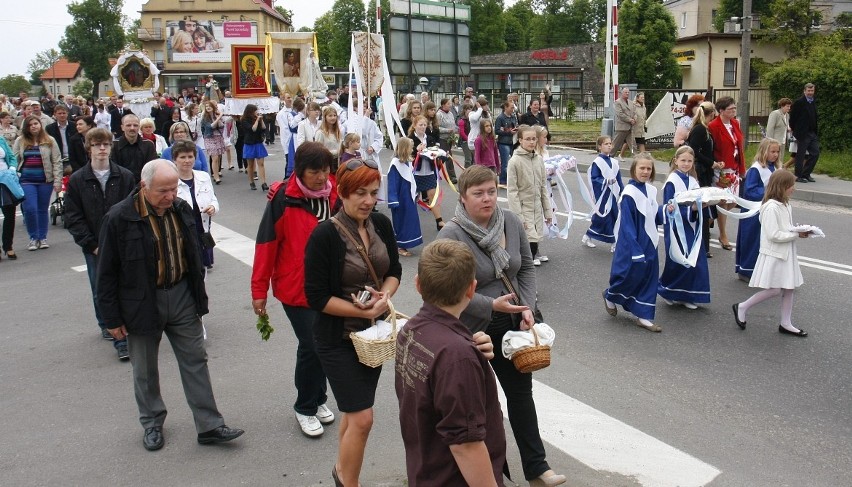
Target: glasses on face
{"points": [[101, 144], [354, 164]]}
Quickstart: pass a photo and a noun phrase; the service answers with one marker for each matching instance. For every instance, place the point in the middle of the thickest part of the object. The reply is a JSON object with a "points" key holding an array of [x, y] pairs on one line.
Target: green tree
{"points": [[519, 20], [323, 28], [286, 13], [83, 88], [35, 77], [562, 23], [131, 32], [347, 16], [305, 29], [790, 24], [487, 27], [14, 84], [734, 8], [646, 36], [43, 60], [95, 34]]}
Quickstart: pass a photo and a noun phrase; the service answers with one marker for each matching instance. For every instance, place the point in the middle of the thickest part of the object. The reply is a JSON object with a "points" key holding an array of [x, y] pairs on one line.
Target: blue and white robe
{"points": [[635, 266], [748, 235], [678, 282], [402, 197], [606, 196]]}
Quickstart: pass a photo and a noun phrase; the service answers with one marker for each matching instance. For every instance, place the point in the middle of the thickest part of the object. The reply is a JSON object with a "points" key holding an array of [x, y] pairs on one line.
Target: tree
{"points": [[562, 23], [286, 13], [647, 33], [323, 28], [43, 60], [519, 19], [734, 8], [305, 29], [131, 32], [95, 34], [83, 88], [35, 77], [487, 27], [347, 16], [14, 84], [791, 24]]}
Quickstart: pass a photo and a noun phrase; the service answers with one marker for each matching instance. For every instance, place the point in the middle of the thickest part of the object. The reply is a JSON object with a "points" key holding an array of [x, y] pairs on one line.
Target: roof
{"points": [[266, 7], [62, 69]]}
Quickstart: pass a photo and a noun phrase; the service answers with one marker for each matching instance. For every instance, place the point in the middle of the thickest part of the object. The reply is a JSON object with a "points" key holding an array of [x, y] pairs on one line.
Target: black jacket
{"points": [[161, 114], [127, 274], [803, 118], [115, 120], [251, 136], [702, 144], [133, 156], [86, 203], [77, 155], [324, 257], [53, 131]]}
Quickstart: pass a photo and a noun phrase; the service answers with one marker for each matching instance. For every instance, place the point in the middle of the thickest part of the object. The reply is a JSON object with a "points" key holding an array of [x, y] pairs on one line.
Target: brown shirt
{"points": [[168, 242]]}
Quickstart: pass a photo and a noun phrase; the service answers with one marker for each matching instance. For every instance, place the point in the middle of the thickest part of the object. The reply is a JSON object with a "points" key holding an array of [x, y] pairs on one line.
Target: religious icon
{"points": [[292, 66], [249, 71]]}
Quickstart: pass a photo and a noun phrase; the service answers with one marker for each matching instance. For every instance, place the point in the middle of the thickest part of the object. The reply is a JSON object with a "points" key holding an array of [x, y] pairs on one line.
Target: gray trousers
{"points": [[622, 136], [183, 327]]}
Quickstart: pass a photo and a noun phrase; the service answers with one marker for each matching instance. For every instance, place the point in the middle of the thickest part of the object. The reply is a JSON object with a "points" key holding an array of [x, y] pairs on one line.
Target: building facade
{"points": [[191, 39], [60, 78]]}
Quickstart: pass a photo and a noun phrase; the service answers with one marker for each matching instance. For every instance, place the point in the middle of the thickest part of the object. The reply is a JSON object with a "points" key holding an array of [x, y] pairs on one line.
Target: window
{"points": [[158, 56], [730, 78], [683, 20]]}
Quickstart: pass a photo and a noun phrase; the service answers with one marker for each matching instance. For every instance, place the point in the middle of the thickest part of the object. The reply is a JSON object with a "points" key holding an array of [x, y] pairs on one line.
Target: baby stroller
{"points": [[57, 208]]}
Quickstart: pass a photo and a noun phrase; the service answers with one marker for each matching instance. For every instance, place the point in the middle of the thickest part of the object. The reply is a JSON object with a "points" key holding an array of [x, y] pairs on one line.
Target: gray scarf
{"points": [[488, 239]]}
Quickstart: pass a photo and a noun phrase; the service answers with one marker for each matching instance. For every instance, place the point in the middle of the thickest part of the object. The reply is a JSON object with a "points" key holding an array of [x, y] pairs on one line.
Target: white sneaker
{"points": [[310, 425], [689, 305], [587, 242], [33, 245], [536, 262], [324, 415], [42, 244], [612, 249], [668, 302], [543, 258]]}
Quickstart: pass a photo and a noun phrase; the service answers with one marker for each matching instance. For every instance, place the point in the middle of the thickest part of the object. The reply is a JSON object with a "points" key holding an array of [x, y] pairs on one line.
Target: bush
{"points": [[829, 67], [570, 110]]}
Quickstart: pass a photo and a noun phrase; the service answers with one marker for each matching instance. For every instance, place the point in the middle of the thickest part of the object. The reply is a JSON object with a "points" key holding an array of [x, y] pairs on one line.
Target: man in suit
{"points": [[625, 118], [61, 129], [117, 112], [151, 281], [74, 109], [803, 122]]}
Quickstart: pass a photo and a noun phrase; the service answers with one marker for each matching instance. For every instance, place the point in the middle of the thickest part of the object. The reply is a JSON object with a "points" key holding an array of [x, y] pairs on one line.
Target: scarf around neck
{"points": [[488, 239], [310, 193]]}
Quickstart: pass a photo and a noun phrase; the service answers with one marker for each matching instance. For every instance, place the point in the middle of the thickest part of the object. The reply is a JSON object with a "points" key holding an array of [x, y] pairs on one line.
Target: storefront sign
{"points": [[685, 55], [550, 55], [206, 41]]}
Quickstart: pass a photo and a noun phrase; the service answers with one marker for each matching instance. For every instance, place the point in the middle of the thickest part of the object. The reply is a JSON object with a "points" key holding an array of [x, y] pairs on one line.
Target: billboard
{"points": [[206, 41]]}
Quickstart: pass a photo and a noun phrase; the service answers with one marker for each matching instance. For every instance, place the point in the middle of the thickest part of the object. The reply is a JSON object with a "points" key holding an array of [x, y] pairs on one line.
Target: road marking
{"points": [[580, 431], [79, 268]]}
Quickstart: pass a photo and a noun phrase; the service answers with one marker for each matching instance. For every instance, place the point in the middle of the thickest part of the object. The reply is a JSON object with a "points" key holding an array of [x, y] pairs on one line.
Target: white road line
{"points": [[580, 431]]}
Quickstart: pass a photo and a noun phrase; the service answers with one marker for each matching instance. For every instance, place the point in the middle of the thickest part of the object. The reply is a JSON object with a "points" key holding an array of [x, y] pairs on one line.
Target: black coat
{"points": [[86, 203], [702, 144], [115, 120], [77, 155], [803, 118], [53, 131], [133, 156], [127, 275]]}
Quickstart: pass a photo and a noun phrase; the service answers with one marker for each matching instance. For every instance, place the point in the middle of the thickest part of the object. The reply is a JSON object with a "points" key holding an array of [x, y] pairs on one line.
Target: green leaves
{"points": [[264, 327], [95, 34], [647, 35]]}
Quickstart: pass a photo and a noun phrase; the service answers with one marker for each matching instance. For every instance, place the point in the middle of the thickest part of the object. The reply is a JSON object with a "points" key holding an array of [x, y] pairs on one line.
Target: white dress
{"points": [[777, 263]]}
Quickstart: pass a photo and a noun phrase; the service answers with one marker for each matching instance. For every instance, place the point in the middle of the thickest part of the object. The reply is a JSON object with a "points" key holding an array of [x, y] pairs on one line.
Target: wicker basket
{"points": [[533, 358], [374, 353]]}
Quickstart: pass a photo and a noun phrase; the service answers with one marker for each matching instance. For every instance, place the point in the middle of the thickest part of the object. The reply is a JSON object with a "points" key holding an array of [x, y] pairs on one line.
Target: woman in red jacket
{"points": [[727, 147], [295, 208]]}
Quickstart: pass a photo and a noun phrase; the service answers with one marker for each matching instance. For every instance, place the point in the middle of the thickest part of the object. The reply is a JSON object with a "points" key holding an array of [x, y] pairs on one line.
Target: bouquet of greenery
{"points": [[264, 327]]}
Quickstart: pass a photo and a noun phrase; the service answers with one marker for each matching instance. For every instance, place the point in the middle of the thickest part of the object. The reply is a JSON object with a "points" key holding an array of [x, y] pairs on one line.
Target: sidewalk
{"points": [[826, 190]]}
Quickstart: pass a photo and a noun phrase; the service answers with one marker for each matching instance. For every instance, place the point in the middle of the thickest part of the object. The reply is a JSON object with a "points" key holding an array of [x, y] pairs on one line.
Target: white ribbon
{"points": [[676, 229], [609, 174], [556, 166], [713, 196]]}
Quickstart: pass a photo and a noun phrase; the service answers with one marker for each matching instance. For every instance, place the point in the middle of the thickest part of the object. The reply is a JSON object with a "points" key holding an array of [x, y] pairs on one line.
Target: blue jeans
{"points": [[311, 386], [35, 208], [505, 153], [92, 271]]}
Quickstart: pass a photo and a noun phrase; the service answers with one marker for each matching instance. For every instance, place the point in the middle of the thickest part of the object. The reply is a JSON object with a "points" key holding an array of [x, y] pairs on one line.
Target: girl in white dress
{"points": [[777, 269]]}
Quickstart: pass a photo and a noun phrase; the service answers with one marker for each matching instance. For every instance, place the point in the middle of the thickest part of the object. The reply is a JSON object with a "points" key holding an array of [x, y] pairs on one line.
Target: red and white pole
{"points": [[614, 49]]}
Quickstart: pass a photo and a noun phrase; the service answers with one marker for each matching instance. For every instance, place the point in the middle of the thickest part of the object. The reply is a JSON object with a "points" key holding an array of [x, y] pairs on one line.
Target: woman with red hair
{"points": [[353, 251], [684, 123]]}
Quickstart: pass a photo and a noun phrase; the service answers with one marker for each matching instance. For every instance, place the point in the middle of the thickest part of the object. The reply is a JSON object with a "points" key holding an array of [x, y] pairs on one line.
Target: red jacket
{"points": [[279, 251], [723, 144]]}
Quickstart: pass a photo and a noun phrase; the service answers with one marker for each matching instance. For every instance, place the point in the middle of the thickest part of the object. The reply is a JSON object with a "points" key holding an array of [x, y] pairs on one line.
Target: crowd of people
{"points": [[333, 261]]}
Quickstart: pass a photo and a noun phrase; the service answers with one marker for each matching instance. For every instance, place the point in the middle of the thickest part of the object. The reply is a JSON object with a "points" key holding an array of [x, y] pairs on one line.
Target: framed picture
{"points": [[248, 71]]}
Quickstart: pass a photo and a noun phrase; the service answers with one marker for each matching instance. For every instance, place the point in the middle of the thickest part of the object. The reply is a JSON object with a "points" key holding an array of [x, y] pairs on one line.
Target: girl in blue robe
{"points": [[605, 179], [754, 185], [635, 265], [679, 283], [402, 198]]}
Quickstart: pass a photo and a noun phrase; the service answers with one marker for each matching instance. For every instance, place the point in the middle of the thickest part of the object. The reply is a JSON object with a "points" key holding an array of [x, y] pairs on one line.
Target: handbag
{"points": [[207, 240], [360, 248], [516, 317]]}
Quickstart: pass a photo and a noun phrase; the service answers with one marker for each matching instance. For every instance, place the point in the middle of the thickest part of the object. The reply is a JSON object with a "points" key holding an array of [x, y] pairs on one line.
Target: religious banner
{"points": [[369, 69], [136, 78], [292, 56], [249, 72]]}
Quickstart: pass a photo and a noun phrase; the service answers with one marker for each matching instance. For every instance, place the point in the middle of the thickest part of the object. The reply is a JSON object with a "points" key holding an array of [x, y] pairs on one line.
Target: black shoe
{"points": [[810, 179], [801, 333], [153, 438], [253, 186], [736, 308], [802, 180], [123, 354], [219, 435], [264, 187], [106, 335]]}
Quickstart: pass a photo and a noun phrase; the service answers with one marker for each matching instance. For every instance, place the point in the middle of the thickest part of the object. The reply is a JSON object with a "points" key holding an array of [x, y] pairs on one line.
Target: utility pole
{"points": [[745, 69]]}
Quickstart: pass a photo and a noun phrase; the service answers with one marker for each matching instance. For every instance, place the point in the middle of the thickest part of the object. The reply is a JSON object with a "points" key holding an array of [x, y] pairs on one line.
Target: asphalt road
{"points": [[759, 407]]}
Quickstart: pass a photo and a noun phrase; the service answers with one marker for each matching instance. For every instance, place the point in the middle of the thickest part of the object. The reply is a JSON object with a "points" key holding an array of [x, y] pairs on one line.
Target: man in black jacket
{"points": [[117, 112], [150, 282], [803, 121], [132, 151], [61, 130], [92, 191]]}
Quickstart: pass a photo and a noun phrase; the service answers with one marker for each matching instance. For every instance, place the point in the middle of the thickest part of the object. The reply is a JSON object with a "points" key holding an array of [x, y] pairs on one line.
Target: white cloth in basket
{"points": [[519, 340], [815, 231], [381, 330], [709, 195]]}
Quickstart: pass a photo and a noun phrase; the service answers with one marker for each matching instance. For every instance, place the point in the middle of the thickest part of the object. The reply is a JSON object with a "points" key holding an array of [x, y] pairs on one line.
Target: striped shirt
{"points": [[32, 168], [169, 242]]}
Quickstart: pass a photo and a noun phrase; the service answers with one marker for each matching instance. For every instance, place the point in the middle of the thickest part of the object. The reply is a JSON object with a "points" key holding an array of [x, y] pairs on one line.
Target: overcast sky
{"points": [[25, 32]]}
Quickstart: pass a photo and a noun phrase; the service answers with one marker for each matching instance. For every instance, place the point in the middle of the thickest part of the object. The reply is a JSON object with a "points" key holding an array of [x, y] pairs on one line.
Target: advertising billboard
{"points": [[206, 41]]}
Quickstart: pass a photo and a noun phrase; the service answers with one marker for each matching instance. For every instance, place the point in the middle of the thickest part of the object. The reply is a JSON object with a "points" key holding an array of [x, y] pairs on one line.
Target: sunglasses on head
{"points": [[353, 164]]}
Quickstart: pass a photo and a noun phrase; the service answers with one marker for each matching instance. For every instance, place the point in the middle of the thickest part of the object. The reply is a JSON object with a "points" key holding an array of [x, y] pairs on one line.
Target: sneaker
{"points": [[255, 177], [668, 302], [123, 353], [310, 425], [689, 305], [324, 415], [33, 245], [536, 262], [106, 335], [543, 258], [253, 186], [587, 242], [612, 249], [42, 244]]}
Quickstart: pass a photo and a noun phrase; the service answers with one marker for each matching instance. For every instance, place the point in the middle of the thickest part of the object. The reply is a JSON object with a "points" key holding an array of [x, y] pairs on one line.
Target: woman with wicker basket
{"points": [[352, 255], [499, 242]]}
